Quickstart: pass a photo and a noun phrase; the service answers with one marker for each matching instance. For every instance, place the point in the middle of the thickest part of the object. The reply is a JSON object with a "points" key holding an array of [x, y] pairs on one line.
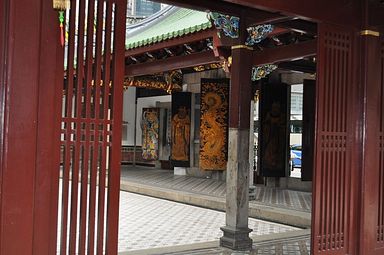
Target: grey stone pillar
{"points": [[236, 231]]}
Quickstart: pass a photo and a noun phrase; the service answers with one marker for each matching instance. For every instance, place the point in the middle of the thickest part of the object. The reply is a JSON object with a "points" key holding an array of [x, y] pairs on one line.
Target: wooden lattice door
{"points": [[91, 127], [336, 158]]}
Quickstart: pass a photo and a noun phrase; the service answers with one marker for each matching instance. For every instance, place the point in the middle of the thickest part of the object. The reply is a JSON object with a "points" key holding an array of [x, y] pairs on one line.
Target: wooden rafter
{"points": [[172, 63], [209, 33], [252, 16], [298, 25], [285, 53], [348, 12]]}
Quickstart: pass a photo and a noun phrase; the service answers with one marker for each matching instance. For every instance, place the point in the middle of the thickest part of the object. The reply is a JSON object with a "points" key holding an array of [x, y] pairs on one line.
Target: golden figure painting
{"points": [[214, 124], [274, 123], [181, 129], [181, 123]]}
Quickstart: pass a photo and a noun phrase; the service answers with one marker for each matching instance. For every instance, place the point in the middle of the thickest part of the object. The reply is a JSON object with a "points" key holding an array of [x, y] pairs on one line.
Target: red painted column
{"points": [[371, 83], [29, 97]]}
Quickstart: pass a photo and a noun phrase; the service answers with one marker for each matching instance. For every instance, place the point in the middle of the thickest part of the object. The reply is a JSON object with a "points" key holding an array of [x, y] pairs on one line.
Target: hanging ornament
{"points": [[61, 20], [61, 6]]}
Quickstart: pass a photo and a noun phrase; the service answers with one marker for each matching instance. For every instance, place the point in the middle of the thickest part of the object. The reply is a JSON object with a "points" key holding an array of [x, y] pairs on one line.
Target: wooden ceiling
{"points": [[293, 38]]}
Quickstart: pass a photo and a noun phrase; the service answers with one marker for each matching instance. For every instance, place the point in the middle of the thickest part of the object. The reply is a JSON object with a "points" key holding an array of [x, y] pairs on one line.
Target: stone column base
{"points": [[236, 239], [179, 171]]}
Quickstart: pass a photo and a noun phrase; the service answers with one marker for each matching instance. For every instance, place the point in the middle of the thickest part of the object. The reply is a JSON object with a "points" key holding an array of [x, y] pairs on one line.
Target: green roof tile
{"points": [[178, 23]]}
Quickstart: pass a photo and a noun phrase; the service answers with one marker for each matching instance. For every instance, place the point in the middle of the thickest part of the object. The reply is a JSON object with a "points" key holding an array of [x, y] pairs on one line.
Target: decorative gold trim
{"points": [[370, 32], [234, 47], [61, 5]]}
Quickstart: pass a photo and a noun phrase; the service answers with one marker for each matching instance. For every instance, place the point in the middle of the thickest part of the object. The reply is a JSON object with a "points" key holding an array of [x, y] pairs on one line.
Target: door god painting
{"points": [[181, 123], [150, 131], [274, 135], [181, 128]]}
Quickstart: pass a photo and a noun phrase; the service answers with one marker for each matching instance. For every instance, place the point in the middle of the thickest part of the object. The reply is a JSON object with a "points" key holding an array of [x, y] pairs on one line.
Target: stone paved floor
{"points": [[296, 246], [290, 199], [147, 222]]}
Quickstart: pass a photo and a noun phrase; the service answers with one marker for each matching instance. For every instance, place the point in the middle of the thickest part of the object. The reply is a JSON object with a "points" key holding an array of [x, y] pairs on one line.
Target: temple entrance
{"points": [[246, 47], [348, 179]]}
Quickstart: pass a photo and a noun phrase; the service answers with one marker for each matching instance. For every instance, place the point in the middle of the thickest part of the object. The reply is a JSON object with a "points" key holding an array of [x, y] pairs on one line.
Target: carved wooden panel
{"points": [[91, 127], [334, 181]]}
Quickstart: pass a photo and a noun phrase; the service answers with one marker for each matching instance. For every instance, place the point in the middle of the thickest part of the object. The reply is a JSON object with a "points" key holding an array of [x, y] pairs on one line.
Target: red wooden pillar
{"points": [[348, 207], [372, 187], [30, 95]]}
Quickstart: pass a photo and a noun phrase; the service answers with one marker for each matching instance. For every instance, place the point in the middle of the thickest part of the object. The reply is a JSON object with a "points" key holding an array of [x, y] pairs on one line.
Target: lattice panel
{"points": [[380, 220], [91, 127], [333, 189]]}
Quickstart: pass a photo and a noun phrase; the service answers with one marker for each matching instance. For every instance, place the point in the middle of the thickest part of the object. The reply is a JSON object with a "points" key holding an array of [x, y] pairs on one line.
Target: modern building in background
{"points": [[138, 10], [142, 8]]}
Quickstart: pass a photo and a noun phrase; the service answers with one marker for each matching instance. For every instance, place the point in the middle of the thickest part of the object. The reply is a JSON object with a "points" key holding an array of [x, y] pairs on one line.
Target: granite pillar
{"points": [[236, 231]]}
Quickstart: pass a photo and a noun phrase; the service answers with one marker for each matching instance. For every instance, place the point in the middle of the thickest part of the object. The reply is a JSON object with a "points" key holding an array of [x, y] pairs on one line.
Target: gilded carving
{"points": [[214, 125], [170, 81]]}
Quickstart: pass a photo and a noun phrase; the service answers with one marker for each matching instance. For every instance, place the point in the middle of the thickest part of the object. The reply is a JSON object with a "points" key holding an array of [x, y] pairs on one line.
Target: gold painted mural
{"points": [[181, 129], [150, 133], [214, 124], [180, 135]]}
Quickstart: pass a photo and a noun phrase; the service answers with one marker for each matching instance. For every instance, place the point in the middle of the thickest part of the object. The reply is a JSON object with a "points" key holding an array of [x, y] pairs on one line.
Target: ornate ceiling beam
{"points": [[252, 16], [304, 66], [209, 33], [285, 53], [173, 63], [347, 13], [298, 25]]}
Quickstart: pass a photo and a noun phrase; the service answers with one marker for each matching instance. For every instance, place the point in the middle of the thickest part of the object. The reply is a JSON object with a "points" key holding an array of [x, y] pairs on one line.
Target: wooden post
{"points": [[30, 100], [236, 231]]}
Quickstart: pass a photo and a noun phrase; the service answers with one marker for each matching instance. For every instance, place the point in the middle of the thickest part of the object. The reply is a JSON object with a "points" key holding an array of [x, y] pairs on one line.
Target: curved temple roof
{"points": [[167, 24]]}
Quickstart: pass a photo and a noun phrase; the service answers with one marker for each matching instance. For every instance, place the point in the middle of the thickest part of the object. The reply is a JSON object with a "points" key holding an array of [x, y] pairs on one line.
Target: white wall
{"points": [[129, 114]]}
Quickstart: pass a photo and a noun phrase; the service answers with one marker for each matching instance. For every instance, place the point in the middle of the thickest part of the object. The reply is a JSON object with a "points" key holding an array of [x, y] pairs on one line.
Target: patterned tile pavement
{"points": [[147, 222], [290, 199], [295, 246]]}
